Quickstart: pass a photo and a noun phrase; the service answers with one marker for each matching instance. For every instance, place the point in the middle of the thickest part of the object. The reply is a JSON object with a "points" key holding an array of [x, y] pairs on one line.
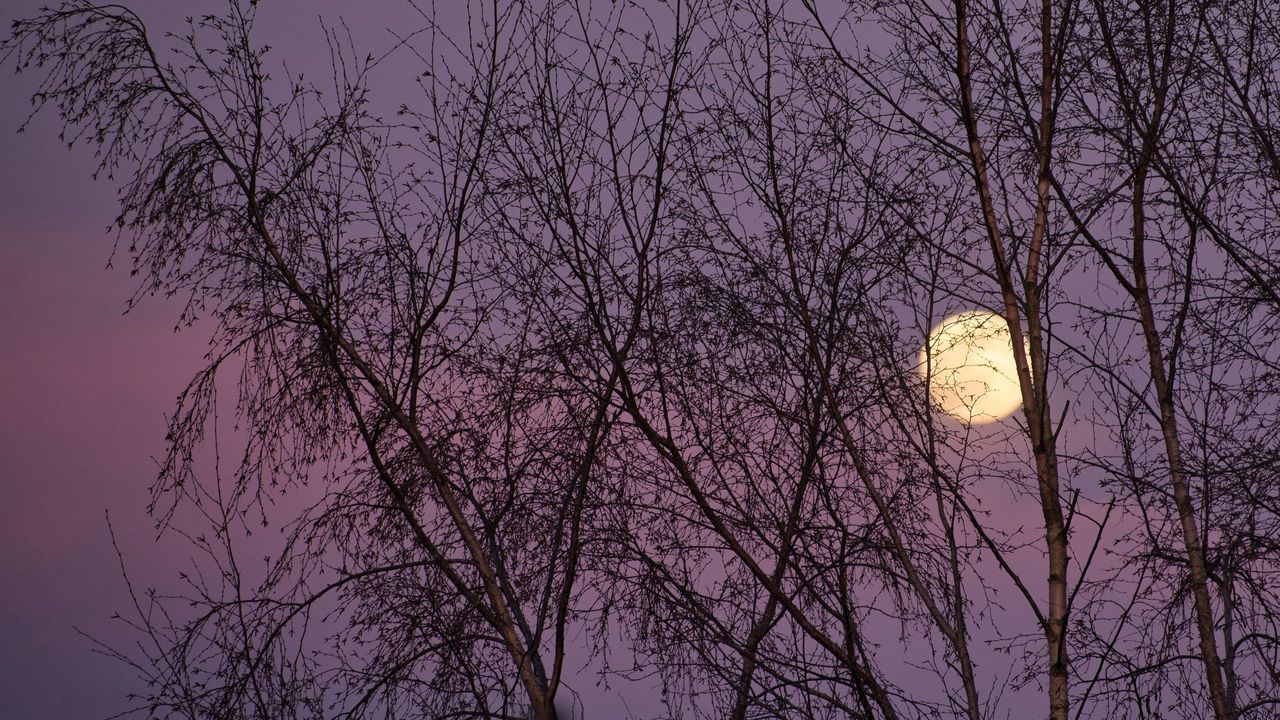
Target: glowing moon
{"points": [[969, 365]]}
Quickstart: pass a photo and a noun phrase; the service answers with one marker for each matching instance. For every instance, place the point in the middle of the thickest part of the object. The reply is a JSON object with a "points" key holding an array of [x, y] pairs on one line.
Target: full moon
{"points": [[969, 366]]}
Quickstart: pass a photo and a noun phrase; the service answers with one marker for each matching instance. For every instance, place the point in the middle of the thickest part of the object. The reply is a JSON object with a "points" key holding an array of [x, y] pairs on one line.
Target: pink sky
{"points": [[83, 394]]}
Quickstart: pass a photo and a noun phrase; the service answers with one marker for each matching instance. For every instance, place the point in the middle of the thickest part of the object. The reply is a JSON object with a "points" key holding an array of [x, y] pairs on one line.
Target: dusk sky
{"points": [[696, 477], [87, 387]]}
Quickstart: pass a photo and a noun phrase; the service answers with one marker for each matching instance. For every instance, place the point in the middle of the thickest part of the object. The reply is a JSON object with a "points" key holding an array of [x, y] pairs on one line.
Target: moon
{"points": [[969, 366]]}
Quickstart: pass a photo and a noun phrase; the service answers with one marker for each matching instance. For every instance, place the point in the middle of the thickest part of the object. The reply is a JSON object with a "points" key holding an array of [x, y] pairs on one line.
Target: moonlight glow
{"points": [[972, 376]]}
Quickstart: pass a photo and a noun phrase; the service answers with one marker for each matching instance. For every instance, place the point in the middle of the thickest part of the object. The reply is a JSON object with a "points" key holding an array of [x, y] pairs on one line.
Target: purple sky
{"points": [[84, 390]]}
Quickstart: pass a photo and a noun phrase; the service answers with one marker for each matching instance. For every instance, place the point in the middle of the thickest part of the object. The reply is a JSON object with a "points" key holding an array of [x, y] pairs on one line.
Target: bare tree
{"points": [[606, 350]]}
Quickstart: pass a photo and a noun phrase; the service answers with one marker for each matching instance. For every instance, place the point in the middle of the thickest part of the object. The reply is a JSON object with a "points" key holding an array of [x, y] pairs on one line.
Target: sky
{"points": [[84, 390], [85, 387]]}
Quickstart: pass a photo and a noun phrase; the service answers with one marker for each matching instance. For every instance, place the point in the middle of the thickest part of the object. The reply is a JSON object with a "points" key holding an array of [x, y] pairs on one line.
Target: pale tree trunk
{"points": [[1032, 375]]}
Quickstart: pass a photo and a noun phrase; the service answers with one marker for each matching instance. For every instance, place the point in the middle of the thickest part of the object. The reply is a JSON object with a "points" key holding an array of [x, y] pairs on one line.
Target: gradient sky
{"points": [[84, 390]]}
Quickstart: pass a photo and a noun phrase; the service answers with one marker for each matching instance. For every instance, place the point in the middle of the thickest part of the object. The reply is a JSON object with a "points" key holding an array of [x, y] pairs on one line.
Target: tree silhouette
{"points": [[605, 349]]}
